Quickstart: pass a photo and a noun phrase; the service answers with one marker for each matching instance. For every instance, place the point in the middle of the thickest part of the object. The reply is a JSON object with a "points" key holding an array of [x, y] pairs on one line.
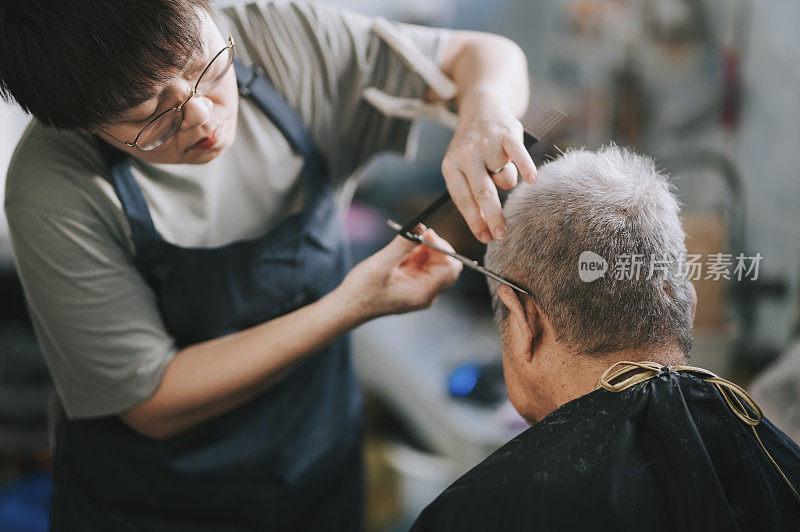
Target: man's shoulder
{"points": [[625, 456], [550, 463], [574, 436]]}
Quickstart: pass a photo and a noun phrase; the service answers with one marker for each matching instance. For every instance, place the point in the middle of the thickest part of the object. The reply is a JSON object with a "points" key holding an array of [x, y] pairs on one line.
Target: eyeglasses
{"points": [[163, 126]]}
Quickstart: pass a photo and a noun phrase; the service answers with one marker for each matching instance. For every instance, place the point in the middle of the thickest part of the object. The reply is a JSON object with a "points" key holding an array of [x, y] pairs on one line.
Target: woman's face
{"points": [[209, 120]]}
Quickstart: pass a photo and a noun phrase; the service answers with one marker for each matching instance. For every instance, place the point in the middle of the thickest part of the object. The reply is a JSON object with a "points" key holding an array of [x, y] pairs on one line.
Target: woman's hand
{"points": [[206, 379], [401, 277], [491, 74], [488, 137]]}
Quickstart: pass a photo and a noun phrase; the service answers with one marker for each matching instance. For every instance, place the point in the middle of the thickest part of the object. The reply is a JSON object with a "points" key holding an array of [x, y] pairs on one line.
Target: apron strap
{"points": [[143, 230], [253, 84]]}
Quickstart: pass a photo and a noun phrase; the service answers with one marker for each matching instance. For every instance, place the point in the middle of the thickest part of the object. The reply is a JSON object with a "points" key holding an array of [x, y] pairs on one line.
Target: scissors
{"points": [[414, 237]]}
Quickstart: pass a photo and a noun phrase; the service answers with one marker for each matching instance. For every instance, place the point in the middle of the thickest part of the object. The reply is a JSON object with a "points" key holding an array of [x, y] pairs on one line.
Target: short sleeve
{"points": [[95, 317], [322, 58]]}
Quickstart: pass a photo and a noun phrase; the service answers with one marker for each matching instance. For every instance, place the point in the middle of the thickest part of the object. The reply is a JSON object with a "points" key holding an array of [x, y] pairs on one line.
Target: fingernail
{"points": [[485, 237], [500, 232]]}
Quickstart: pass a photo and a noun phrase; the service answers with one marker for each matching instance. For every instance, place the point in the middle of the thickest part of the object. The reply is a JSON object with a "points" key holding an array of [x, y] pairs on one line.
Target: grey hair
{"points": [[616, 204]]}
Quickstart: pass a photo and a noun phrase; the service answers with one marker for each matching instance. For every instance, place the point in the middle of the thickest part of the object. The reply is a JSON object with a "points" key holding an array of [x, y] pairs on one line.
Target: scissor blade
{"points": [[471, 264], [461, 258]]}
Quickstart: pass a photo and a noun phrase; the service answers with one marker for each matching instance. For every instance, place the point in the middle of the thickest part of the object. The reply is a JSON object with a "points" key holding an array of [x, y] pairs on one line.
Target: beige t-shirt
{"points": [[94, 315]]}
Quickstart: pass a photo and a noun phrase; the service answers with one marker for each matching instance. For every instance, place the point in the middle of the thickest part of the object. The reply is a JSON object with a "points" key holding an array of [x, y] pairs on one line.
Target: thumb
{"points": [[431, 236], [397, 250]]}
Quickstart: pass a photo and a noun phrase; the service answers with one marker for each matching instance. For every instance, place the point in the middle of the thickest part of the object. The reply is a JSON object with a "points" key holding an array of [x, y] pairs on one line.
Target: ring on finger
{"points": [[497, 171]]}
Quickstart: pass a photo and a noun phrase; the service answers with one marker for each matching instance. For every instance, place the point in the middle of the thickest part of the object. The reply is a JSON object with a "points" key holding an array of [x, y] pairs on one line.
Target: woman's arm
{"points": [[483, 63], [207, 379], [491, 74]]}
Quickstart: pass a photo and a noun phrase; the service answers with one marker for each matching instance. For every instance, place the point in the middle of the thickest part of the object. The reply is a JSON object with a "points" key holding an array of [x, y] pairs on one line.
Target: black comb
{"points": [[443, 205]]}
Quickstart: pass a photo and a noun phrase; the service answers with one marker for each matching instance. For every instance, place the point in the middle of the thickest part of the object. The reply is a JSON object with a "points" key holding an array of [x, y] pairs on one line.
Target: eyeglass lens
{"points": [[158, 131]]}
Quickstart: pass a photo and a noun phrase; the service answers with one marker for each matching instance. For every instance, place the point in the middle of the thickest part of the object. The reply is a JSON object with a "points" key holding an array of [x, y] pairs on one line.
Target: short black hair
{"points": [[79, 64]]}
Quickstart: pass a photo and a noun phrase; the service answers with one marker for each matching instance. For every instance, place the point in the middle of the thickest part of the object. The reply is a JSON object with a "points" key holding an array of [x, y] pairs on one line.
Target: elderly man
{"points": [[614, 445]]}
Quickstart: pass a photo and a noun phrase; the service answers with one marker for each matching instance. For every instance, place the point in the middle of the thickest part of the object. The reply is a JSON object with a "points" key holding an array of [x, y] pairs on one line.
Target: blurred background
{"points": [[709, 88]]}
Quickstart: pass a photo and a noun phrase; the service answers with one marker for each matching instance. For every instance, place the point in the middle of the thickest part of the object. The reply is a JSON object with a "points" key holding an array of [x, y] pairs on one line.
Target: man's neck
{"points": [[566, 376]]}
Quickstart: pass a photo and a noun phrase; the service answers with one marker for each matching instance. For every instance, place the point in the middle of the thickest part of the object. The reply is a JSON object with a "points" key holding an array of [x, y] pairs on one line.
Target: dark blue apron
{"points": [[290, 459]]}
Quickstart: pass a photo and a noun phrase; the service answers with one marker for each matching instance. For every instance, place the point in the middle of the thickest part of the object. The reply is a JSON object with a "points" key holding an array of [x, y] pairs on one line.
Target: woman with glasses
{"points": [[172, 208]]}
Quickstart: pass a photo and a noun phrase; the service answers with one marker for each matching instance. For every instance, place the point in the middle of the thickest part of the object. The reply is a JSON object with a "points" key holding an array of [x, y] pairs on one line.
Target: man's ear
{"points": [[694, 300], [524, 321]]}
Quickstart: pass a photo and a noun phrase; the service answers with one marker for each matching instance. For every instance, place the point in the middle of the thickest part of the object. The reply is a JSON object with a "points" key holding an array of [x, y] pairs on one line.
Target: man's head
{"points": [[108, 66], [618, 206]]}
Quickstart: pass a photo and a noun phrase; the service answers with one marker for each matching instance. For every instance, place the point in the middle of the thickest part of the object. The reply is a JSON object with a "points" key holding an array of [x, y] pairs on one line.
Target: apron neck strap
{"points": [[253, 84], [143, 230]]}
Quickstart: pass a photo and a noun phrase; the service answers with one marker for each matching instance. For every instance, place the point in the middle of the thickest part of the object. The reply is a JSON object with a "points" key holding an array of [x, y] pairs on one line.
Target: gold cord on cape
{"points": [[623, 375]]}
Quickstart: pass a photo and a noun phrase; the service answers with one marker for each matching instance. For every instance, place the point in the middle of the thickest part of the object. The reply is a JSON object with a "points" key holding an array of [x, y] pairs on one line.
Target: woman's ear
{"points": [[524, 323]]}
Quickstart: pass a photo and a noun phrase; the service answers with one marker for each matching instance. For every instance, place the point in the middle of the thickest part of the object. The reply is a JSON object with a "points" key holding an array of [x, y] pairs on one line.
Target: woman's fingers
{"points": [[472, 182], [423, 256], [507, 177], [396, 251], [485, 195], [461, 194], [442, 270], [431, 236], [515, 149]]}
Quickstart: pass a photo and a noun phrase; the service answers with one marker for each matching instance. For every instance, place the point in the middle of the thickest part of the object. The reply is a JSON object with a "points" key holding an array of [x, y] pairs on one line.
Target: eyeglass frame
{"points": [[231, 46]]}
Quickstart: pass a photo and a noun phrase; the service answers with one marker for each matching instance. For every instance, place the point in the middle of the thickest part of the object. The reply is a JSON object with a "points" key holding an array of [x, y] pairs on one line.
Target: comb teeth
{"points": [[447, 208], [441, 207], [544, 122]]}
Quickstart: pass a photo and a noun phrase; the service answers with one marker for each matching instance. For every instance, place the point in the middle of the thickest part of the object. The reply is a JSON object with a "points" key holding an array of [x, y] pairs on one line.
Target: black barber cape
{"points": [[664, 454]]}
